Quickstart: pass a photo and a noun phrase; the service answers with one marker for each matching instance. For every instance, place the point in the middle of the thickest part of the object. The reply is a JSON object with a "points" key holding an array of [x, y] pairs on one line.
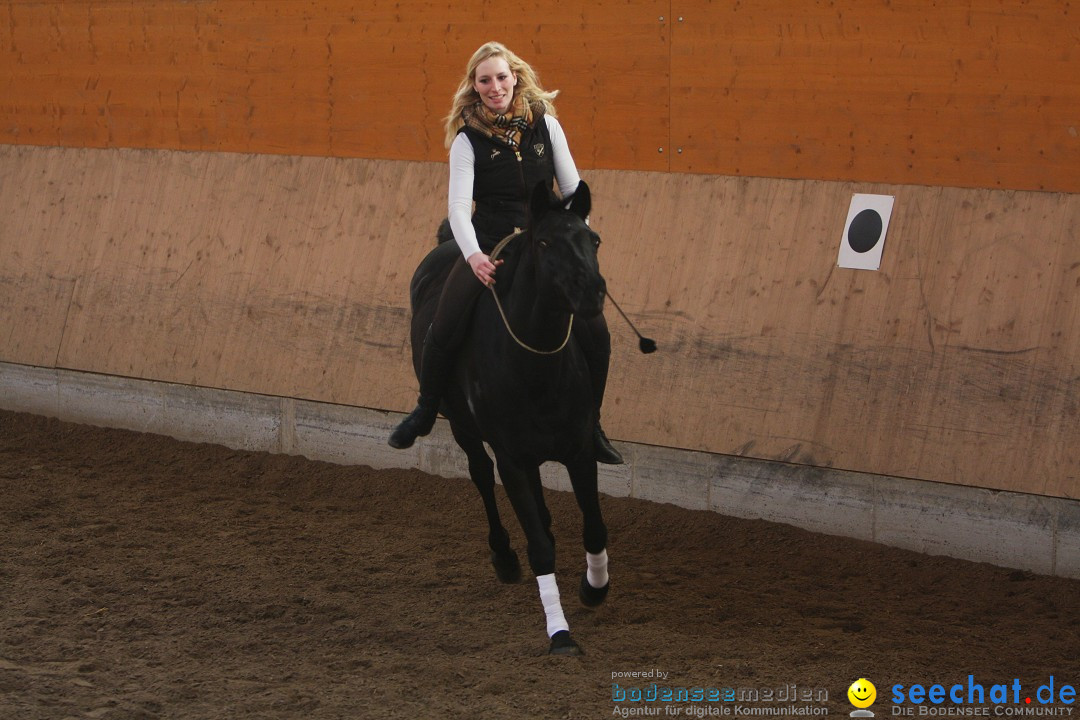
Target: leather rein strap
{"points": [[569, 327]]}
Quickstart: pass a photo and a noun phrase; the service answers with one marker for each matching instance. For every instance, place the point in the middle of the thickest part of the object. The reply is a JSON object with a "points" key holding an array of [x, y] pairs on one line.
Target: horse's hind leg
{"points": [[482, 471], [595, 582]]}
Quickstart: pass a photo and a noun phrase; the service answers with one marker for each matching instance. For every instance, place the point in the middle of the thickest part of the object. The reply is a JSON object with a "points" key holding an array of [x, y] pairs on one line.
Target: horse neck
{"points": [[534, 319]]}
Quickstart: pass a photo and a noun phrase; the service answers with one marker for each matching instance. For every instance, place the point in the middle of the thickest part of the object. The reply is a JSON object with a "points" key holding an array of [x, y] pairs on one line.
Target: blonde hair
{"points": [[528, 85]]}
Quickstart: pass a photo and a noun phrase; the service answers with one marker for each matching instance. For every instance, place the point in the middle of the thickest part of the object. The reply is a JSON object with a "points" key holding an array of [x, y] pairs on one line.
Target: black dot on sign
{"points": [[865, 231]]}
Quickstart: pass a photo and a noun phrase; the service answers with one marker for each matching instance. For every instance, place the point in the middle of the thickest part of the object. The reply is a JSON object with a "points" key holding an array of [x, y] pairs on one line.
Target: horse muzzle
{"points": [[589, 302]]}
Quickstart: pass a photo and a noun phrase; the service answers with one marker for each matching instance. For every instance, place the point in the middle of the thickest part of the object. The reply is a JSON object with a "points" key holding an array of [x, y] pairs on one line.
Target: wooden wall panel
{"points": [[287, 274], [953, 363], [270, 274], [960, 93], [43, 249], [327, 78], [958, 361]]}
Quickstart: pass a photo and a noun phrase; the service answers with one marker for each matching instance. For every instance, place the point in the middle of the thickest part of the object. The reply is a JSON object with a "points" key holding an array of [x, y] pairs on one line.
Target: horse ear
{"points": [[581, 200], [541, 200]]}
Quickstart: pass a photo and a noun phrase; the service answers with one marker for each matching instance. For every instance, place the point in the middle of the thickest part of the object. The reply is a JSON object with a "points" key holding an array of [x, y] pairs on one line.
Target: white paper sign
{"points": [[864, 232]]}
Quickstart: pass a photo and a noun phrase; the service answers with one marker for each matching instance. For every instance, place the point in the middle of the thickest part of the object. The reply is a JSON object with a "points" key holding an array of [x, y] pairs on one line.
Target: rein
{"points": [[506, 322]]}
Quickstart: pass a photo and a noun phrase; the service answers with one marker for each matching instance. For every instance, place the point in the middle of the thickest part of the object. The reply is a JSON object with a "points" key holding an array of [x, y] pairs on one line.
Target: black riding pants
{"points": [[456, 302]]}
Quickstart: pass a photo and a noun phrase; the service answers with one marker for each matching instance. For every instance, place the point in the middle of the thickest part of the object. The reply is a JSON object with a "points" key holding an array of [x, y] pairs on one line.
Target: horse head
{"points": [[564, 246]]}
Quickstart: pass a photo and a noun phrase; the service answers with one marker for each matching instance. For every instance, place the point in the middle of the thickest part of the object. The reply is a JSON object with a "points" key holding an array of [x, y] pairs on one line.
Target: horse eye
{"points": [[543, 243]]}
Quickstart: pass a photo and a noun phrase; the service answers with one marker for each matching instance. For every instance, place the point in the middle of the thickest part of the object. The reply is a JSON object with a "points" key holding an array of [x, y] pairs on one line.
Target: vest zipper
{"points": [[521, 173]]}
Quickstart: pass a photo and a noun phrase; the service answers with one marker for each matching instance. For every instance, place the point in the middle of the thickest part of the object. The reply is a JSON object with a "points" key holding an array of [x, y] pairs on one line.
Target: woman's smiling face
{"points": [[494, 83]]}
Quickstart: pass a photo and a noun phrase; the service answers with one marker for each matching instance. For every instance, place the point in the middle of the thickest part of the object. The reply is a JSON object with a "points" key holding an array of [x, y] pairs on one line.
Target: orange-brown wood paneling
{"points": [[969, 93], [329, 77]]}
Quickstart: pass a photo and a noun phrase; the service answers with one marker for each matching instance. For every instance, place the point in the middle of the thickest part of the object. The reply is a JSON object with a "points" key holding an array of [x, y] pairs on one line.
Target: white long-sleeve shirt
{"points": [[462, 159]]}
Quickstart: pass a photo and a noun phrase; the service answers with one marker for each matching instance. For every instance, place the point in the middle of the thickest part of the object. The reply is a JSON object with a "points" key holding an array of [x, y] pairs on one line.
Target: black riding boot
{"points": [[597, 355], [435, 368], [605, 451]]}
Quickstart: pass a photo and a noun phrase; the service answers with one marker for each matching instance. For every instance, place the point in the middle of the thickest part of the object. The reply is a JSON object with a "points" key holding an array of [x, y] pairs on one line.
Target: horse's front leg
{"points": [[482, 471], [535, 522], [595, 582]]}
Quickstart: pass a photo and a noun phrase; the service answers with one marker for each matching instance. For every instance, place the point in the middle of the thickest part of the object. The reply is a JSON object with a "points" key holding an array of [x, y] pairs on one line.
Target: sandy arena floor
{"points": [[143, 577]]}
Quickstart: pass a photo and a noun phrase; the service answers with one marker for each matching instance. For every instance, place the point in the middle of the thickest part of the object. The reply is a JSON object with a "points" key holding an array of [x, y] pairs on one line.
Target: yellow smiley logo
{"points": [[862, 693]]}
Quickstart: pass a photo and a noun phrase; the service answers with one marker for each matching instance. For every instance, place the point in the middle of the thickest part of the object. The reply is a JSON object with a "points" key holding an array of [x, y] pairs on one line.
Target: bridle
{"points": [[506, 322]]}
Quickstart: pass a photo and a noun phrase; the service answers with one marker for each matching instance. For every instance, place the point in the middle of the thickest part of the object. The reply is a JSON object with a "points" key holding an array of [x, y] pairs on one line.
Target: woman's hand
{"points": [[483, 268]]}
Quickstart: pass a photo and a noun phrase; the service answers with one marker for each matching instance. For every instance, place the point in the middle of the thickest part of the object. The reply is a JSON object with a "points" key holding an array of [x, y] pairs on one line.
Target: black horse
{"points": [[522, 386]]}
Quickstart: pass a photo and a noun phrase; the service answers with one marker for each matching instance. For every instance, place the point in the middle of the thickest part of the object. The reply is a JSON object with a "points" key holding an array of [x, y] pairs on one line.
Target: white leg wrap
{"points": [[549, 595], [597, 572]]}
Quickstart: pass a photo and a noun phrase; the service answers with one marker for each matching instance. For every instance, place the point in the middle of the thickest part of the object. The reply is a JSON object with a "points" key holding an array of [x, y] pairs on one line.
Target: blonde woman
{"points": [[504, 139]]}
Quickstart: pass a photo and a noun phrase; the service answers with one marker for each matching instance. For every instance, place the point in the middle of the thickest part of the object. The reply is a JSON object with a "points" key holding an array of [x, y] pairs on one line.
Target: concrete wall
{"points": [[1030, 532]]}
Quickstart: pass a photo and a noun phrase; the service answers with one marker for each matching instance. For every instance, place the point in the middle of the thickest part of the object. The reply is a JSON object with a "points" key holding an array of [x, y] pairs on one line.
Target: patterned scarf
{"points": [[508, 127]]}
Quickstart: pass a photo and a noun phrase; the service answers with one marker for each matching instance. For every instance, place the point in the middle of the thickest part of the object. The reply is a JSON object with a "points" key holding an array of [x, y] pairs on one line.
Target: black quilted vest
{"points": [[502, 184]]}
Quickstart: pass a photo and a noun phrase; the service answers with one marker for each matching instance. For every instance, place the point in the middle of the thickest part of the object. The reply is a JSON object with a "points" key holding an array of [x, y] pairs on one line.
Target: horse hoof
{"points": [[590, 596], [507, 567], [563, 644]]}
